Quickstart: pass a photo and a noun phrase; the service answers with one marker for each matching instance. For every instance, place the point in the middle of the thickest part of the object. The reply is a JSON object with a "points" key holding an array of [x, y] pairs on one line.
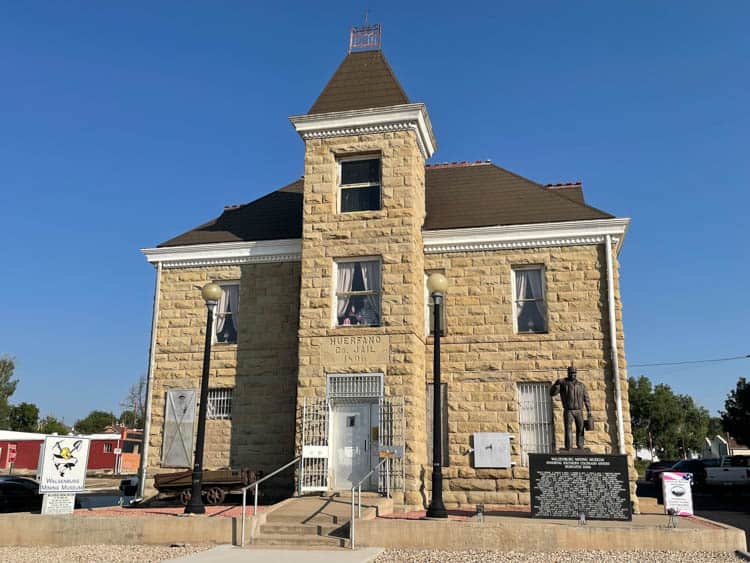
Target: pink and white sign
{"points": [[677, 493]]}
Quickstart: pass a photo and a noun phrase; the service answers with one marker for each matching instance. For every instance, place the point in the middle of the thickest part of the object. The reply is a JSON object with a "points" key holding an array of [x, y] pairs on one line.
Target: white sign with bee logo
{"points": [[62, 464]]}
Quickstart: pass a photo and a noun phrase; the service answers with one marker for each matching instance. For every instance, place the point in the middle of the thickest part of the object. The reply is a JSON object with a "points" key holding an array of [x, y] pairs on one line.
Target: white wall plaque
{"points": [[62, 467], [56, 503], [492, 449]]}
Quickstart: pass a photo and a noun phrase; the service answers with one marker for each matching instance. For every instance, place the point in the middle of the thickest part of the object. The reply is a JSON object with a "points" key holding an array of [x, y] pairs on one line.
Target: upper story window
{"points": [[358, 292], [359, 183], [226, 324], [529, 302]]}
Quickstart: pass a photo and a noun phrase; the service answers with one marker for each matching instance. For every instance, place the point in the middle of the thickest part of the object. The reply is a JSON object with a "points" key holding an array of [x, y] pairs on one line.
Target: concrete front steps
{"points": [[321, 521]]}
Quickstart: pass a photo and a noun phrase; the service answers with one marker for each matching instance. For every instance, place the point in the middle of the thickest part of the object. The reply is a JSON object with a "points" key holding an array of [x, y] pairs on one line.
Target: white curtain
{"points": [[219, 318], [529, 286], [535, 282], [343, 284], [228, 303], [371, 279], [233, 304]]}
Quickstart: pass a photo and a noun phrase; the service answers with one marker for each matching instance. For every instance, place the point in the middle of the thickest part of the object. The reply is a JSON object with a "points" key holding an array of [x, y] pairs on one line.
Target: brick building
{"points": [[322, 340]]}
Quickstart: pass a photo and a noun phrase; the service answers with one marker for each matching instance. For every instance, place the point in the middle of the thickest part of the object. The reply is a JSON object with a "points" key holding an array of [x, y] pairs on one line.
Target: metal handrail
{"points": [[358, 488], [255, 499]]}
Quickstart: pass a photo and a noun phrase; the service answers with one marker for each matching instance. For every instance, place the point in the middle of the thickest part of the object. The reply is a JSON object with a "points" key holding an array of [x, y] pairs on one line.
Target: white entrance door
{"points": [[355, 447]]}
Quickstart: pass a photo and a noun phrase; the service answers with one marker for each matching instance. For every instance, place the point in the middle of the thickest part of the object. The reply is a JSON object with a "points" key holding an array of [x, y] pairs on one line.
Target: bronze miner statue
{"points": [[574, 398]]}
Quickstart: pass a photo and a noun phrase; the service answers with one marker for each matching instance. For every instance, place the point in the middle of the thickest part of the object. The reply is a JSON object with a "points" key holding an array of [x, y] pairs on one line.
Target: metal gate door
{"points": [[392, 443], [314, 466]]}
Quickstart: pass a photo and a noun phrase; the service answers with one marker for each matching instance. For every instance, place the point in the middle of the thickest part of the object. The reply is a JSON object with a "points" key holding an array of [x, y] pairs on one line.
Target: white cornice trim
{"points": [[226, 253], [567, 233], [376, 120]]}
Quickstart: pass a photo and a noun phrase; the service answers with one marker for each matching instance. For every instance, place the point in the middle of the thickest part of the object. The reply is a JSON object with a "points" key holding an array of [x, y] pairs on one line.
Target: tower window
{"points": [[359, 183]]}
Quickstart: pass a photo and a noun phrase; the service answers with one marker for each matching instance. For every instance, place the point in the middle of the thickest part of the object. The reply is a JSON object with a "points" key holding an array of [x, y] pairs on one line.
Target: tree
{"points": [[134, 404], [736, 417], [715, 427], [23, 417], [669, 424], [50, 425], [130, 419], [7, 388], [95, 421]]}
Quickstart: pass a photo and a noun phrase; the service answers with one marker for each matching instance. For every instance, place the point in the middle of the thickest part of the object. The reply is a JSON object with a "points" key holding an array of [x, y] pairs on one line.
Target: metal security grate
{"points": [[392, 440], [219, 405], [313, 476], [535, 418], [353, 386]]}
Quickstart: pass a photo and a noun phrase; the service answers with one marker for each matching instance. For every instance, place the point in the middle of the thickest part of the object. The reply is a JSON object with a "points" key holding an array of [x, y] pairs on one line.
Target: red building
{"points": [[105, 451]]}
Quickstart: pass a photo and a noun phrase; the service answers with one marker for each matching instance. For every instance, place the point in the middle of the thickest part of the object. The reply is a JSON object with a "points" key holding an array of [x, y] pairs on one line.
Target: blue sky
{"points": [[123, 124]]}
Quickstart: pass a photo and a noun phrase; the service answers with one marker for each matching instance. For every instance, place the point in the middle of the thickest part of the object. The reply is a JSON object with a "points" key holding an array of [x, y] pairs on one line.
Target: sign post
{"points": [[62, 472]]}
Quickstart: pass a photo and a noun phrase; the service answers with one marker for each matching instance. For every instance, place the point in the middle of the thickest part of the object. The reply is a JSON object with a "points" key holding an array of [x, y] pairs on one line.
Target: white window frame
{"points": [[544, 430], [224, 396], [107, 448], [335, 292], [222, 284], [543, 270], [341, 187]]}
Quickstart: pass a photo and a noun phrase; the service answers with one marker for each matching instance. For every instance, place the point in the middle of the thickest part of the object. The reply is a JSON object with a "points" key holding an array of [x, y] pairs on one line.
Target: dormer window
{"points": [[359, 184]]}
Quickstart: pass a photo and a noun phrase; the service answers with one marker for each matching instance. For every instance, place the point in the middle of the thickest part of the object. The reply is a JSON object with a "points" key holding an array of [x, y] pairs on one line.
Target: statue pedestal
{"points": [[570, 485]]}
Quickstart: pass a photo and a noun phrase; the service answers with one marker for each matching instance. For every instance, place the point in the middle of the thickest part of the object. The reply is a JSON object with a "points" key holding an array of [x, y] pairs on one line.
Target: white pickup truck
{"points": [[731, 471]]}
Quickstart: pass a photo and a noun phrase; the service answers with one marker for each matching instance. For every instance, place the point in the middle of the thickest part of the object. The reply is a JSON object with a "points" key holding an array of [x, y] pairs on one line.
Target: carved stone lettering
{"points": [[366, 350]]}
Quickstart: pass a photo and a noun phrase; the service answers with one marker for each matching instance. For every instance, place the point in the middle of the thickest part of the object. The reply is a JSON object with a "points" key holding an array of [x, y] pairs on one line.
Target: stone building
{"points": [[322, 344]]}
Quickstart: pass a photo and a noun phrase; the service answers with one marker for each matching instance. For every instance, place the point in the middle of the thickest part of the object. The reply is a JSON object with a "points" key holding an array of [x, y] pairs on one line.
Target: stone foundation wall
{"points": [[261, 367], [483, 359]]}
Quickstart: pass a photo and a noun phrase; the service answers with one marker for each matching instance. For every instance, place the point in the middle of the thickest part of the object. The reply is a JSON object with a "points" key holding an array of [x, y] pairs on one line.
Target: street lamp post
{"points": [[211, 294], [436, 285]]}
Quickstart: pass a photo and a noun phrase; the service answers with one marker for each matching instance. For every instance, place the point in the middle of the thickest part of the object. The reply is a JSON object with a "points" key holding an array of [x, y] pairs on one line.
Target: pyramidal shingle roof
{"points": [[363, 80]]}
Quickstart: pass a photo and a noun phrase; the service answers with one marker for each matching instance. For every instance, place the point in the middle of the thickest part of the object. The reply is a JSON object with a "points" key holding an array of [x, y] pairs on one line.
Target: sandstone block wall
{"points": [[483, 360], [394, 235], [261, 367]]}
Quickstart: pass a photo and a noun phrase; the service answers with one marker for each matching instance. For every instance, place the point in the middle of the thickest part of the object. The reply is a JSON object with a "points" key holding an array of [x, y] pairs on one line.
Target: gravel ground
{"points": [[97, 553], [478, 556]]}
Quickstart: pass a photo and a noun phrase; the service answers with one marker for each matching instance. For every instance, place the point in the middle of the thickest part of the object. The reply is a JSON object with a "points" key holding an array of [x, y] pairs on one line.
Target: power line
{"points": [[733, 358]]}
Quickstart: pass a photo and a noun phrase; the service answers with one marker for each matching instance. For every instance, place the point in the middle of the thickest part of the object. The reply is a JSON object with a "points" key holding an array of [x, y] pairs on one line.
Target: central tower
{"points": [[362, 297]]}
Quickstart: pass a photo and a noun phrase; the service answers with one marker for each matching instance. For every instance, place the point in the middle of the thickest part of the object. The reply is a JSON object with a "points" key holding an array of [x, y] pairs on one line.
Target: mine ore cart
{"points": [[216, 483]]}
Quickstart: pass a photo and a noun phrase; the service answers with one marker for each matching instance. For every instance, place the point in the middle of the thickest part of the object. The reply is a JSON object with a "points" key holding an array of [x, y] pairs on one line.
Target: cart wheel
{"points": [[215, 495], [185, 496]]}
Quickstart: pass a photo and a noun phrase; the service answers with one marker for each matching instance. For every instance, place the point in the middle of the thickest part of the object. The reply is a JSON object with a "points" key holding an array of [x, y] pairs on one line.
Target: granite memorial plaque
{"points": [[566, 486]]}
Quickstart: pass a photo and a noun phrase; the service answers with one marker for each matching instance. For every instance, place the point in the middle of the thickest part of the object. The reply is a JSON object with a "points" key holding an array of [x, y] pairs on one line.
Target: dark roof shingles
{"points": [[458, 196], [363, 80]]}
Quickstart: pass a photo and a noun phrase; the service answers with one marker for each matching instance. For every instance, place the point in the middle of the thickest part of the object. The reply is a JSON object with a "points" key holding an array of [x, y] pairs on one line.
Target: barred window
{"points": [[535, 420], [219, 404], [107, 448]]}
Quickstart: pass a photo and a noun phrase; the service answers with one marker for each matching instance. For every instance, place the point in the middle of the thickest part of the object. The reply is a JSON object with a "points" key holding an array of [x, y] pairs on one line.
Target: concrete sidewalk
{"points": [[232, 554]]}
